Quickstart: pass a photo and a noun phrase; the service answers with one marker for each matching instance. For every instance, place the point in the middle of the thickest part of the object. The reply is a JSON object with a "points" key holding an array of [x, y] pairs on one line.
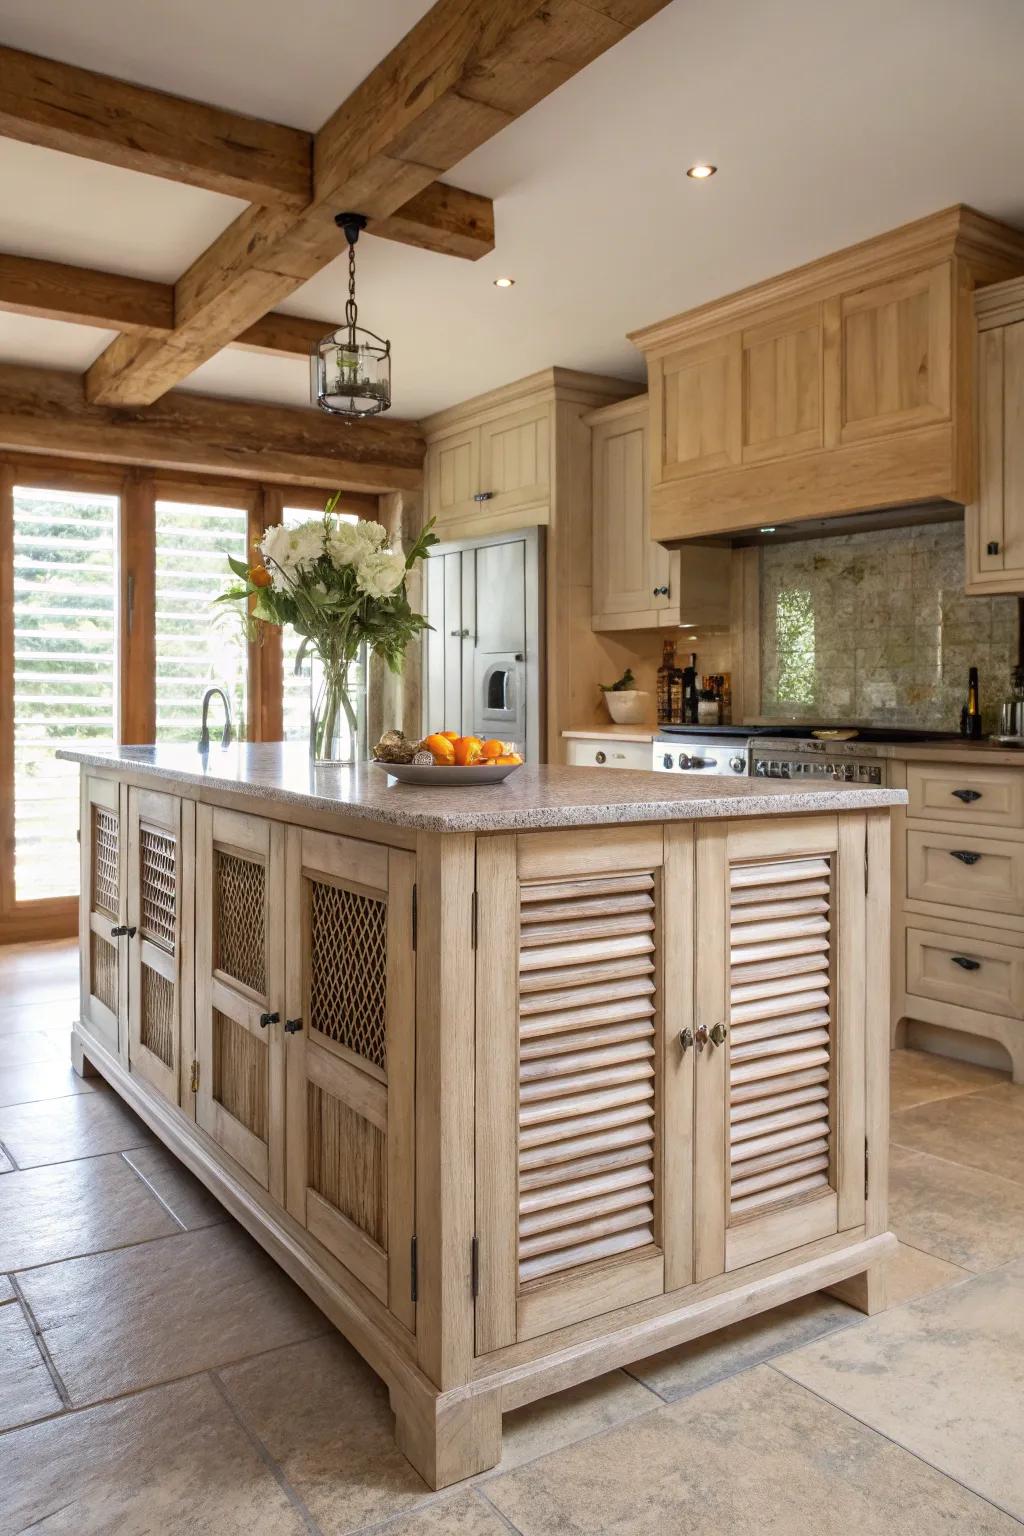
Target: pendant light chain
{"points": [[350, 369], [351, 308]]}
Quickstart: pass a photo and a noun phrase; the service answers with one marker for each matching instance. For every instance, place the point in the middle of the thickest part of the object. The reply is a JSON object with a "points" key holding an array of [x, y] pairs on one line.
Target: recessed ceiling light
{"points": [[767, 530], [701, 172], [504, 282]]}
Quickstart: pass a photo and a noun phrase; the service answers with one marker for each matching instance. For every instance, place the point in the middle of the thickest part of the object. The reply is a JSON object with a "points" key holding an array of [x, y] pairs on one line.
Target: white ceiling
{"points": [[830, 122]]}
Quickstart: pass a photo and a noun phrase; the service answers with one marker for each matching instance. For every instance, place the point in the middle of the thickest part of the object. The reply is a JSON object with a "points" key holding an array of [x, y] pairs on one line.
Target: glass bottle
{"points": [[667, 672]]}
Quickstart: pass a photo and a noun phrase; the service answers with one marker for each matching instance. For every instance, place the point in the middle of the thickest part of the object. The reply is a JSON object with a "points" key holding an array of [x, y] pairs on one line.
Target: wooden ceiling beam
{"points": [[465, 71], [45, 411], [80, 112]]}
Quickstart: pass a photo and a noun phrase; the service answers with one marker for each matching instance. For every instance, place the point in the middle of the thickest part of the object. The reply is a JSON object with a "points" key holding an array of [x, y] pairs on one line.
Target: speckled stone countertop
{"points": [[534, 798]]}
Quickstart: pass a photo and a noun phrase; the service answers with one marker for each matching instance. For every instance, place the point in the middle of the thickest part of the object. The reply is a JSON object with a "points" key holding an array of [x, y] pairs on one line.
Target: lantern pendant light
{"points": [[350, 369]]}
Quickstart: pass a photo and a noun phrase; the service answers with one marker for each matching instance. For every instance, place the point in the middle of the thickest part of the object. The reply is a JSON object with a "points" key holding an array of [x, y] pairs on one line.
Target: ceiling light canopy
{"points": [[350, 369], [701, 171]]}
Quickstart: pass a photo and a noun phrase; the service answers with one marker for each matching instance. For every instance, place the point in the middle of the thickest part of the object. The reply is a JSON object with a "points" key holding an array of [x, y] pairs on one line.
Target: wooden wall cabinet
{"points": [[638, 583], [994, 522], [841, 386], [484, 472]]}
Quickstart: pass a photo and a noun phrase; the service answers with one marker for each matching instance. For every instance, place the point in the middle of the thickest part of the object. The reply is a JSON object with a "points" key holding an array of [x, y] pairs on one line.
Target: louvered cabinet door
{"points": [[574, 1212], [780, 1071], [104, 960], [240, 926], [154, 948], [351, 1056]]}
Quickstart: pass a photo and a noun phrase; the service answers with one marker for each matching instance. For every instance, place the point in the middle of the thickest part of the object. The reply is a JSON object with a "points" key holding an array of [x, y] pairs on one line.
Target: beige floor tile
{"points": [[918, 1077], [6, 1166], [753, 1456], [979, 1130], [50, 956], [38, 1016], [324, 1417], [464, 1514], [565, 1418], [942, 1376], [41, 985], [52, 1079], [27, 1391], [171, 1462], [193, 1205], [68, 1209], [958, 1214], [25, 1049], [911, 1273], [80, 1125], [119, 1321], [6, 1290], [691, 1367]]}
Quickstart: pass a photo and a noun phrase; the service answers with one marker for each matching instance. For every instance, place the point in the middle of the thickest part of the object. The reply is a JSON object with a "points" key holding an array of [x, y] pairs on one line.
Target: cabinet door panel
{"points": [[780, 1101], [351, 1061], [623, 554], [154, 911], [696, 401], [453, 475], [782, 403], [895, 355], [239, 984], [515, 460], [104, 974]]}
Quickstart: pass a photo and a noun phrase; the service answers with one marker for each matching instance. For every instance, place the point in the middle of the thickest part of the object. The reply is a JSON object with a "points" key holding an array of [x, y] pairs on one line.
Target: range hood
{"points": [[833, 527]]}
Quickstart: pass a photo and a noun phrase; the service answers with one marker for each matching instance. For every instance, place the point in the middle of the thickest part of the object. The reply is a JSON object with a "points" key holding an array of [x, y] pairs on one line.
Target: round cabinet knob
{"points": [[666, 761], [717, 1034], [738, 764], [600, 757], [685, 1039], [661, 591]]}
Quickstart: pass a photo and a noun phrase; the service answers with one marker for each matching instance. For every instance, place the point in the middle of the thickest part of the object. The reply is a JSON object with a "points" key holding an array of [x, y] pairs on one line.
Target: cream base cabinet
{"points": [[157, 851], [103, 966], [351, 989], [240, 978]]}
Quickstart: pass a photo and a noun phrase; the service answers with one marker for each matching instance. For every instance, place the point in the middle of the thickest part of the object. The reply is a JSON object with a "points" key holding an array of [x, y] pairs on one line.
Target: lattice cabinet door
{"points": [[351, 1056], [155, 859], [104, 957], [584, 1089], [780, 1036], [240, 979]]}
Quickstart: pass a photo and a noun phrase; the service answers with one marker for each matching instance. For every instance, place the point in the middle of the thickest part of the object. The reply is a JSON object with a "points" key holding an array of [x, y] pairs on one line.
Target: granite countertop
{"points": [[534, 798]]}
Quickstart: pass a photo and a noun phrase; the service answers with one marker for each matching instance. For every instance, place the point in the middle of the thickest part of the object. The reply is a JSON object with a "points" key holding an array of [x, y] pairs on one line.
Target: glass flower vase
{"points": [[336, 731]]}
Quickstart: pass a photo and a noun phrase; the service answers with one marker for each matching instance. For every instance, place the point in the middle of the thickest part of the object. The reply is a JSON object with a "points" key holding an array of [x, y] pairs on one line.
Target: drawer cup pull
{"points": [[964, 855], [966, 964], [968, 796]]}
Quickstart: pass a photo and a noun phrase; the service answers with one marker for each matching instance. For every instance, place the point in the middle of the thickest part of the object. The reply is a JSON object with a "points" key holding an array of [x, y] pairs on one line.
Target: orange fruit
{"points": [[259, 576], [492, 748], [506, 758], [440, 747], [467, 750], [451, 735]]}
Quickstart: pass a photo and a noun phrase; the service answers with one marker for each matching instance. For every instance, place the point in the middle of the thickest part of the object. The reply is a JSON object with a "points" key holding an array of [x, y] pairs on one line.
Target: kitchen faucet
{"points": [[204, 735]]}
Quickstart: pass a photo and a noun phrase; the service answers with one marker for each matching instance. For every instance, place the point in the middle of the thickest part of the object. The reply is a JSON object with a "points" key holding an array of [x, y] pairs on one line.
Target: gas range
{"points": [[720, 749], [781, 752]]}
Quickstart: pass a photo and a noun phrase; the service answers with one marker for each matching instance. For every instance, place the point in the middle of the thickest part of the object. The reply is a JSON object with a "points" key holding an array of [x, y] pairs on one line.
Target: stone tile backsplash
{"points": [[875, 628]]}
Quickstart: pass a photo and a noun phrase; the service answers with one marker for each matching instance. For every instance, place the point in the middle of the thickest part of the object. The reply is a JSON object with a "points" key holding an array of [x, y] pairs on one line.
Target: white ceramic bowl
{"points": [[628, 707]]}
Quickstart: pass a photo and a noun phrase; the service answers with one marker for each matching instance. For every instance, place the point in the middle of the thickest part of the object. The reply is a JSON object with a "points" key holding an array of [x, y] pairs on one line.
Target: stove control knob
{"points": [[761, 769], [738, 764], [666, 761], [685, 761]]}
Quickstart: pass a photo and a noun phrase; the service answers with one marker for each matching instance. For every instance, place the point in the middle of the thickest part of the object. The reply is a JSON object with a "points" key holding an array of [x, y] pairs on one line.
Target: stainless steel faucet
{"points": [[204, 735]]}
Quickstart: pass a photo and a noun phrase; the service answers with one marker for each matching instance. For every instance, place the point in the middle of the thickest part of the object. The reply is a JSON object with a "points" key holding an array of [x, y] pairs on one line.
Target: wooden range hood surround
{"points": [[842, 386]]}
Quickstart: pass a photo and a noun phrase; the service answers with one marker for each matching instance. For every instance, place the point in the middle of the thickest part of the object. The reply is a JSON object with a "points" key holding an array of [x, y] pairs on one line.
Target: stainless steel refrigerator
{"points": [[484, 653]]}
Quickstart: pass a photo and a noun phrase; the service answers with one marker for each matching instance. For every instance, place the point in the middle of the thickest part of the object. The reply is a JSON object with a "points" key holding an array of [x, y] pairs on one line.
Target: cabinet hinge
{"points": [[867, 1178], [414, 1290], [473, 919], [867, 866], [415, 926], [194, 1084], [474, 1265]]}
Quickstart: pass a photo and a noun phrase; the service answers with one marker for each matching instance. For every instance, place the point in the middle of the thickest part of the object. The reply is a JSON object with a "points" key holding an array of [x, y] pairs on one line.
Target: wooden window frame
{"points": [[138, 489]]}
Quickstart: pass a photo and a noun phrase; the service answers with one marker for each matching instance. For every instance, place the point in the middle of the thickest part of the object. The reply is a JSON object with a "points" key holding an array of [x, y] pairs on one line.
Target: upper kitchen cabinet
{"points": [[844, 385], [639, 584], [995, 521], [492, 461]]}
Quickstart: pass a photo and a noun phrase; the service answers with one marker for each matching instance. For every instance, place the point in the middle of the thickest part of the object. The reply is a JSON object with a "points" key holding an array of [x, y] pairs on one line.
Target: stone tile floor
{"points": [[158, 1374]]}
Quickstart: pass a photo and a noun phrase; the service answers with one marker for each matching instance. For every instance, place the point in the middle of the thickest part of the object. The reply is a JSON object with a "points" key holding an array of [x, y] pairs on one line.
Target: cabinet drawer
{"points": [[991, 797], [969, 973], [604, 753], [961, 870]]}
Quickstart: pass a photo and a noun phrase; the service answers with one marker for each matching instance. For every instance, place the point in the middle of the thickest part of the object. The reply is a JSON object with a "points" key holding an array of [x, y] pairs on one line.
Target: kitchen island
{"points": [[519, 1083]]}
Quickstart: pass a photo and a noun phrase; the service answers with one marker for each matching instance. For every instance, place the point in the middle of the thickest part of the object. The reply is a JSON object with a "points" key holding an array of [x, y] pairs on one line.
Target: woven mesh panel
{"points": [[240, 1074], [104, 861], [156, 1025], [157, 855], [348, 969], [103, 969], [240, 889], [347, 1162]]}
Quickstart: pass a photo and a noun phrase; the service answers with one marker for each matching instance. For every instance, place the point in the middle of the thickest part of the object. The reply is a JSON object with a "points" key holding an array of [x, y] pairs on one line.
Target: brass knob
{"points": [[718, 1034], [685, 1039], [701, 1036]]}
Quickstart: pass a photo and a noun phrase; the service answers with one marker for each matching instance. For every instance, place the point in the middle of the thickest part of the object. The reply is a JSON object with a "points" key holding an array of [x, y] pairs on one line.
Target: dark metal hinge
{"points": [[414, 1289], [473, 921], [474, 1265], [194, 1082], [415, 921]]}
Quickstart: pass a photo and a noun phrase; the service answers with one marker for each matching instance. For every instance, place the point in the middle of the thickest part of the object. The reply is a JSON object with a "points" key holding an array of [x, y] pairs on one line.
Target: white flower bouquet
{"points": [[340, 586]]}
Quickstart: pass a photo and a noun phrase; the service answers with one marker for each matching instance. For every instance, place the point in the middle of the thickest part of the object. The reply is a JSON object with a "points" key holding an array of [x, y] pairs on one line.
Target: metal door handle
{"points": [[718, 1034], [483, 495], [966, 964], [292, 1026], [968, 796], [661, 592], [122, 931], [700, 1036], [992, 548], [964, 855], [269, 1018], [685, 1039], [460, 634]]}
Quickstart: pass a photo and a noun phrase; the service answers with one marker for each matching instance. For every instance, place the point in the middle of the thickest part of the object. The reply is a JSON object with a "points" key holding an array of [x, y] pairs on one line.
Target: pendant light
{"points": [[350, 369]]}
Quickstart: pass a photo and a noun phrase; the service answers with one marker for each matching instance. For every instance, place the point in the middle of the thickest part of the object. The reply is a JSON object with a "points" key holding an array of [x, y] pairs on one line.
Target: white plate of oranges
{"points": [[456, 759]]}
